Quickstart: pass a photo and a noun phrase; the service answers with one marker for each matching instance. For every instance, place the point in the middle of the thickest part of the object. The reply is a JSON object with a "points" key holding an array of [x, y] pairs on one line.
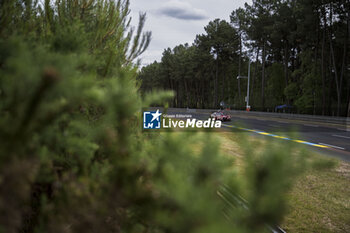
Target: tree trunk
{"points": [[343, 68], [172, 87], [216, 84], [315, 110], [348, 36], [178, 104], [204, 97], [263, 77], [345, 57], [255, 73], [330, 89], [323, 65], [223, 87], [293, 60], [229, 91], [337, 81], [239, 68], [198, 94], [186, 94], [286, 63]]}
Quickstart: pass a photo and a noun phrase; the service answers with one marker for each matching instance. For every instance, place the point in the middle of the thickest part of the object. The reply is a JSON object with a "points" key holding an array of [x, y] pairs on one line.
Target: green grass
{"points": [[319, 201]]}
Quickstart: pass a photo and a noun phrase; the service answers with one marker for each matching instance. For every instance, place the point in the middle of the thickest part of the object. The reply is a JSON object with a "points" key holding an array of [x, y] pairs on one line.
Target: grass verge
{"points": [[320, 198]]}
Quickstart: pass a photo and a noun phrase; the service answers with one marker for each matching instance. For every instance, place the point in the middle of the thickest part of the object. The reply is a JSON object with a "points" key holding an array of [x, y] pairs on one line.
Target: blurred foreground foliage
{"points": [[72, 154]]}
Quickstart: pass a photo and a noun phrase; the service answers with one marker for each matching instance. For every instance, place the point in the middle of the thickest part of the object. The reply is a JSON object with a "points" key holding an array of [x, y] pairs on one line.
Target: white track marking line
{"points": [[346, 130], [336, 147], [311, 125], [340, 136]]}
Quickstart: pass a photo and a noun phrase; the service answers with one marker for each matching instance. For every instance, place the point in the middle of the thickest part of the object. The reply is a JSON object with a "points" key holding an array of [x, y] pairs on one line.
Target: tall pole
{"points": [[239, 68], [248, 85]]}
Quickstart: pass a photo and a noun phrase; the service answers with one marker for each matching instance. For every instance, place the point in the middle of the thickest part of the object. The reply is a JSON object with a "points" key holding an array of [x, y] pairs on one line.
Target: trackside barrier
{"points": [[344, 121], [323, 119]]}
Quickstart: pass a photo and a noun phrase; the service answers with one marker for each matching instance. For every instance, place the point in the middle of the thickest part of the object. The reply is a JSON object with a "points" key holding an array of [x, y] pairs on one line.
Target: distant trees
{"points": [[73, 157], [200, 74], [299, 50]]}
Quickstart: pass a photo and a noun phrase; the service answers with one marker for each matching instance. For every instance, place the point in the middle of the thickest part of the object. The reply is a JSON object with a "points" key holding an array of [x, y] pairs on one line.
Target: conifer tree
{"points": [[73, 157]]}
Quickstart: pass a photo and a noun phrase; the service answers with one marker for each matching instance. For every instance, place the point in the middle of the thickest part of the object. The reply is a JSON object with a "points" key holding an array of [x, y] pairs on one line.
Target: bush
{"points": [[72, 154]]}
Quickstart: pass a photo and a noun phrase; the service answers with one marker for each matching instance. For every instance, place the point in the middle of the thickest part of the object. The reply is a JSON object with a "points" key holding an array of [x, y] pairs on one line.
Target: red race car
{"points": [[221, 116]]}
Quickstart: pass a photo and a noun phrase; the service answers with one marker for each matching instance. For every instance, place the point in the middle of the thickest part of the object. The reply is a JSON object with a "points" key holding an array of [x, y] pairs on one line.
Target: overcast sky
{"points": [[175, 22]]}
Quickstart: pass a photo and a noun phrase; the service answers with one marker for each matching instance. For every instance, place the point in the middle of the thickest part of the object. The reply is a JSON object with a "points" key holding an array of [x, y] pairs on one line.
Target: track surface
{"points": [[331, 140]]}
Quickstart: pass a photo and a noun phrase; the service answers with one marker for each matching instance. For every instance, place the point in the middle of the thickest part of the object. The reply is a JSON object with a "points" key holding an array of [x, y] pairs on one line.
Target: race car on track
{"points": [[221, 116]]}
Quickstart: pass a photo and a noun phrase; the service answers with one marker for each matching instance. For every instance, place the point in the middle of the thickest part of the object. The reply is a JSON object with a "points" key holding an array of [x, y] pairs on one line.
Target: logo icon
{"points": [[151, 120]]}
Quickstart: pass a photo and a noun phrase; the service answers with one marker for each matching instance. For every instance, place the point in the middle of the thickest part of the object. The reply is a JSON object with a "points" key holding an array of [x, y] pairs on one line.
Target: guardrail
{"points": [[344, 121], [313, 118]]}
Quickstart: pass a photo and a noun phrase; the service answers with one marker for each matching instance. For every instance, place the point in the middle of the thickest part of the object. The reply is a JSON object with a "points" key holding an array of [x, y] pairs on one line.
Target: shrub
{"points": [[72, 154]]}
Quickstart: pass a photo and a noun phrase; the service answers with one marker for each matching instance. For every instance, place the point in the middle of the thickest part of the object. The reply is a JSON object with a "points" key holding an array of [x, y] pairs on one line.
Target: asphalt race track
{"points": [[327, 139]]}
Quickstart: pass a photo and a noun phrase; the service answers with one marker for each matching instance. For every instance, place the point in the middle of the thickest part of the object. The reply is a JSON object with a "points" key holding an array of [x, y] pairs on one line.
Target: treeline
{"points": [[73, 157], [299, 54]]}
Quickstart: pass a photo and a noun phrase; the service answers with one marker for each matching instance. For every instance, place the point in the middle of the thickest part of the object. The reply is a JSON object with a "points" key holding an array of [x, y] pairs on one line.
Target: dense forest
{"points": [[299, 54], [73, 157]]}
